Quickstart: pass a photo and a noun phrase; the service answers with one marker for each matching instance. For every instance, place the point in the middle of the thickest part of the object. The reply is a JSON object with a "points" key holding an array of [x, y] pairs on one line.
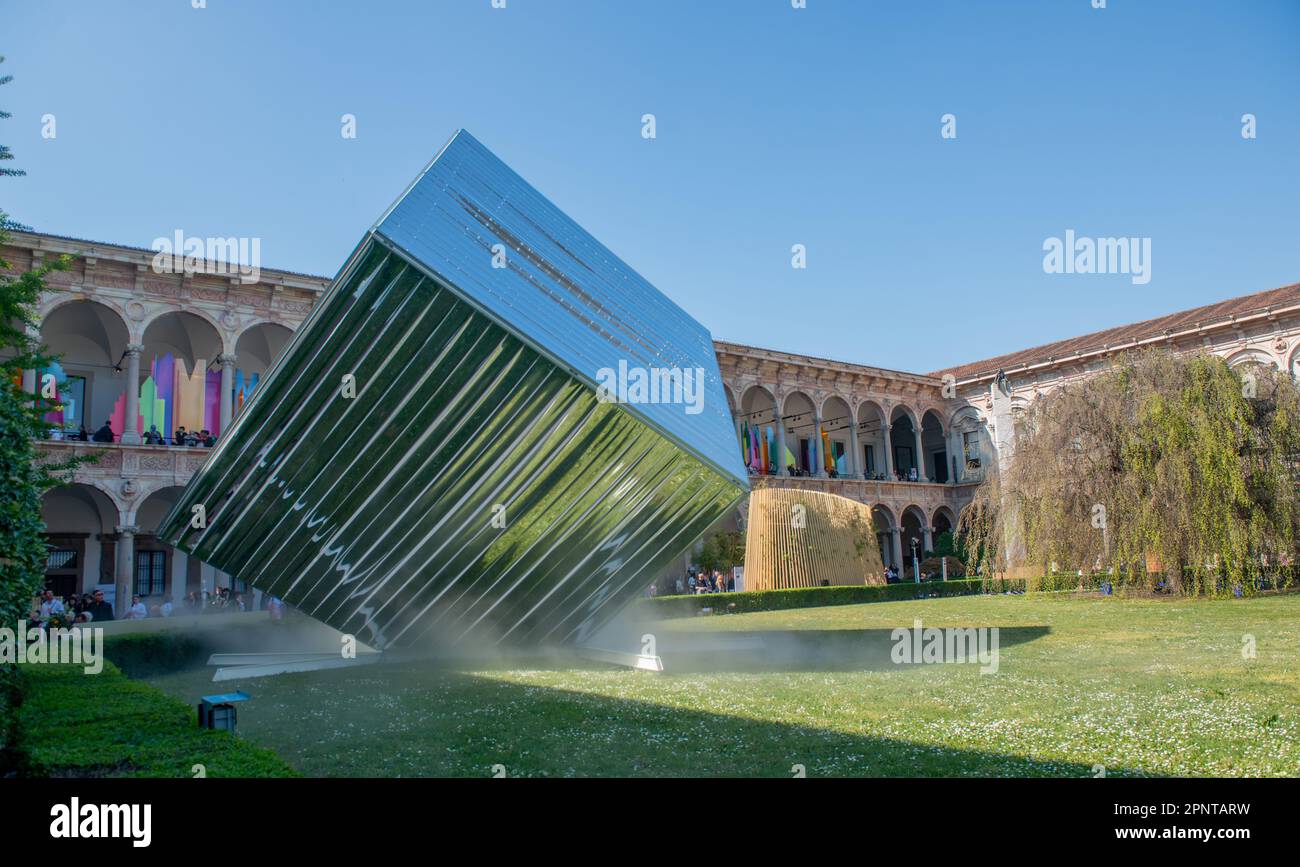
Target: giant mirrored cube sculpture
{"points": [[430, 459]]}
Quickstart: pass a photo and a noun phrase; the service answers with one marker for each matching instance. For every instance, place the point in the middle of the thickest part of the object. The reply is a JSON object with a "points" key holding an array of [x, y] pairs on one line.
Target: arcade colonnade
{"points": [[168, 349], [897, 442], [175, 368]]}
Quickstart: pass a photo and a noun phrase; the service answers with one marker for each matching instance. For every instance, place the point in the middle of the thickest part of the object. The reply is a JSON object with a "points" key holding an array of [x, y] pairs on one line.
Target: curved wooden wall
{"points": [[836, 542]]}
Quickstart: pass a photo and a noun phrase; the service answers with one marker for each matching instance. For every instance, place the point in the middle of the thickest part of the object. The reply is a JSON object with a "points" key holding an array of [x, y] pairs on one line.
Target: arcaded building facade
{"points": [[910, 446], [113, 319]]}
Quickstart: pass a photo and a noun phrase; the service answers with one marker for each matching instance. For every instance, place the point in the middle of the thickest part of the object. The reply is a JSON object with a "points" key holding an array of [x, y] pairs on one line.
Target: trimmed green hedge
{"points": [[9, 698], [149, 654], [813, 597], [71, 724]]}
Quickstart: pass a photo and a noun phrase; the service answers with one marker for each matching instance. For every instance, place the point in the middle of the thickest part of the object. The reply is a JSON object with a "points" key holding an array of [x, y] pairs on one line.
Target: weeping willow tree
{"points": [[1162, 468]]}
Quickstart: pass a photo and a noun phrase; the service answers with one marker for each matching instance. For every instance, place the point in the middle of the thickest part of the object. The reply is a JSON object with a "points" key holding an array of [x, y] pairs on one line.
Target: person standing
{"points": [[137, 611], [100, 610]]}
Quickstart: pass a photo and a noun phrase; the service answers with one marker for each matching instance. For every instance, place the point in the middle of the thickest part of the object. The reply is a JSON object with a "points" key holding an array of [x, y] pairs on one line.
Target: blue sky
{"points": [[775, 127]]}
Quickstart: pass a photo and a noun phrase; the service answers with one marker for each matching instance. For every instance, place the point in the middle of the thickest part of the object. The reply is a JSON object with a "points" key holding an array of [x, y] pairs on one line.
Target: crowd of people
{"points": [[49, 610], [704, 581], [793, 471], [152, 437]]}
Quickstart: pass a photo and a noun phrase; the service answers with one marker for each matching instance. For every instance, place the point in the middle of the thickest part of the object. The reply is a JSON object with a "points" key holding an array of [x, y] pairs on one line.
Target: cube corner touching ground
{"points": [[476, 486]]}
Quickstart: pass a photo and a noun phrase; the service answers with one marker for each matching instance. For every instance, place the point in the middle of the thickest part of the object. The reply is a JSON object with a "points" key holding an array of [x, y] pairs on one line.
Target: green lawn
{"points": [[1140, 687]]}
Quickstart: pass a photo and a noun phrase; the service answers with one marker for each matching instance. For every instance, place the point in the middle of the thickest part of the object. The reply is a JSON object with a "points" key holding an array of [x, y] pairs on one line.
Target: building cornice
{"points": [[140, 256]]}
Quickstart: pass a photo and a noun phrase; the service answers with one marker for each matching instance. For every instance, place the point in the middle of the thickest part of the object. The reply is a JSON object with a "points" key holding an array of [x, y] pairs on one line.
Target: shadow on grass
{"points": [[415, 720], [804, 649]]}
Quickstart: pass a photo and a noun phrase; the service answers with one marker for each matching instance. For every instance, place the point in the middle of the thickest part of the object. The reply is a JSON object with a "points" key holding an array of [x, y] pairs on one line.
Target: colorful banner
{"points": [[54, 418], [212, 403], [164, 374]]}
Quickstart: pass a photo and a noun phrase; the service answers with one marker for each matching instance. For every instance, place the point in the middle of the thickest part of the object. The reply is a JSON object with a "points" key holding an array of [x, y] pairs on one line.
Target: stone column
{"points": [[896, 542], [955, 457], [819, 461], [131, 420], [780, 444], [125, 573], [927, 541], [920, 456], [227, 362], [855, 450], [889, 452], [29, 373], [179, 578]]}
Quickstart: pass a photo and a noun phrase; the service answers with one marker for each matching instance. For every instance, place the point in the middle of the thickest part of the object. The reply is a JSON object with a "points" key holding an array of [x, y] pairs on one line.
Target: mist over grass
{"points": [[1140, 687]]}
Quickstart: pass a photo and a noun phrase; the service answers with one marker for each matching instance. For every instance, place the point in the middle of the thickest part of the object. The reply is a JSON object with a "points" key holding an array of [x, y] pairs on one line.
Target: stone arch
{"points": [[91, 340], [799, 415], [903, 427], [913, 527], [883, 516], [152, 507], [83, 506], [258, 345], [838, 422], [77, 518], [62, 299], [757, 409], [1251, 356], [934, 446], [191, 334], [871, 439], [942, 520], [194, 344]]}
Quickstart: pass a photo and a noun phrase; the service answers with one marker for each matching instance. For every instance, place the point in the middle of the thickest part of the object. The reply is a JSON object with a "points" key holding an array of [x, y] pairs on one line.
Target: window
{"points": [[870, 455], [970, 446], [61, 571], [150, 573]]}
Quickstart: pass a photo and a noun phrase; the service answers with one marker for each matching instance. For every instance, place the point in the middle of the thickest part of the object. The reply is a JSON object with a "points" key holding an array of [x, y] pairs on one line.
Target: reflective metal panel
{"points": [[475, 223], [474, 487]]}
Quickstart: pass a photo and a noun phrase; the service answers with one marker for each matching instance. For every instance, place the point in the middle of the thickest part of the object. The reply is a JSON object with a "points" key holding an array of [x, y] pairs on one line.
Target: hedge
{"points": [[813, 597], [71, 724], [1141, 583], [149, 654], [9, 698]]}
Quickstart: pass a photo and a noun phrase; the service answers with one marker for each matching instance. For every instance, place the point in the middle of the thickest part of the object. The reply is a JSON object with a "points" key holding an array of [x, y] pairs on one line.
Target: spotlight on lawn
{"points": [[218, 711]]}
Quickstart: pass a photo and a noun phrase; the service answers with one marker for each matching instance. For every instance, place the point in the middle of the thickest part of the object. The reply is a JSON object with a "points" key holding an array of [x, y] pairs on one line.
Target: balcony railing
{"points": [[173, 465], [867, 489]]}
